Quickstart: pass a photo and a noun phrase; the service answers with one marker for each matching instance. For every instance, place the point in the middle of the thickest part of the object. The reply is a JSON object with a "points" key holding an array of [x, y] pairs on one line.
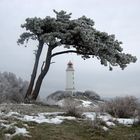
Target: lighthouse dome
{"points": [[70, 64]]}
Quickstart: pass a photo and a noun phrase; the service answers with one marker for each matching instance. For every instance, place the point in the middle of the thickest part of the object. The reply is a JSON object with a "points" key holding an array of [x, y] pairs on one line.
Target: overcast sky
{"points": [[119, 17]]}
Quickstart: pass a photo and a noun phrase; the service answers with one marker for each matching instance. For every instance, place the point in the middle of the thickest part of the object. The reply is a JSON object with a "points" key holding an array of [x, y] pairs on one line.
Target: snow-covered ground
{"points": [[58, 117], [46, 117], [55, 118]]}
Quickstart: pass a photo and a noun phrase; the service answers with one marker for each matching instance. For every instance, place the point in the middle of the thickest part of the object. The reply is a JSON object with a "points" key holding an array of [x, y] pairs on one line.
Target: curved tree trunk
{"points": [[42, 74], [34, 72]]}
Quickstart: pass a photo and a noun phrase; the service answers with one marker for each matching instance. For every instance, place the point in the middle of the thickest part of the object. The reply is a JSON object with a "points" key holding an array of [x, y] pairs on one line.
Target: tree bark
{"points": [[42, 74], [34, 72]]}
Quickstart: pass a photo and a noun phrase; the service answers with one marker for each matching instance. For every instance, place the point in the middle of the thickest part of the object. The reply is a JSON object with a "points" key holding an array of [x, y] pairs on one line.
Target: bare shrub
{"points": [[97, 122], [71, 108], [122, 107], [12, 89], [101, 108]]}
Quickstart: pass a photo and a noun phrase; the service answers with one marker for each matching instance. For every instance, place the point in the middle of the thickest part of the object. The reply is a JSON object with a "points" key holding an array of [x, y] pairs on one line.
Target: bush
{"points": [[92, 95], [122, 107], [71, 108], [12, 89]]}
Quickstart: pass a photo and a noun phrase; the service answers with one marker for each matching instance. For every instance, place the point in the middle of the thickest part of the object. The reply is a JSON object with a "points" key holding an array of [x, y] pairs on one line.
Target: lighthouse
{"points": [[70, 77]]}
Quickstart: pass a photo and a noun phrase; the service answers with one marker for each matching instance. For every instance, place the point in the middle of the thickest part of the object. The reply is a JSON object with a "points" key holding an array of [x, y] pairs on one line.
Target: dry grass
{"points": [[75, 130]]}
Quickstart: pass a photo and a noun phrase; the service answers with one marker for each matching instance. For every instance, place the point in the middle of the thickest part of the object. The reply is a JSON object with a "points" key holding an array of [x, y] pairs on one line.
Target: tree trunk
{"points": [[42, 74], [34, 72]]}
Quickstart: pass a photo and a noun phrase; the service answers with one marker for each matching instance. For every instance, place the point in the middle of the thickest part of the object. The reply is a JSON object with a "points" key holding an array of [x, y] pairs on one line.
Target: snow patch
{"points": [[55, 120], [66, 117], [105, 117], [86, 103], [18, 131], [125, 121], [46, 118], [105, 128], [12, 113], [23, 104], [110, 123], [90, 115], [21, 131], [51, 113]]}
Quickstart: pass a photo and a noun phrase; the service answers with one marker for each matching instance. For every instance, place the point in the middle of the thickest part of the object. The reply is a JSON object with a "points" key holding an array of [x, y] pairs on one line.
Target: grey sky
{"points": [[119, 17]]}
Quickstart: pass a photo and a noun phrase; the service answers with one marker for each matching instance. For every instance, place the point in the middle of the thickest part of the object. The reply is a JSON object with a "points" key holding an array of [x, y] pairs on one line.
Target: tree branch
{"points": [[72, 51], [63, 52]]}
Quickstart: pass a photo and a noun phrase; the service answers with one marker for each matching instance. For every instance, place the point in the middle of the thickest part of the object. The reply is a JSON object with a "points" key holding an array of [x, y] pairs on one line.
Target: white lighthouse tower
{"points": [[70, 77]]}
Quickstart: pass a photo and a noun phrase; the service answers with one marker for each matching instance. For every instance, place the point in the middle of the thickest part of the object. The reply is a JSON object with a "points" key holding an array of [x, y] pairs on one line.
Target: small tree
{"points": [[77, 36], [12, 89]]}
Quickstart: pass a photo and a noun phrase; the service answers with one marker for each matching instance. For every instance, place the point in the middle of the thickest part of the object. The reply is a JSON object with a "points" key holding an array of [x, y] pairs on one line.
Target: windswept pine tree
{"points": [[77, 36]]}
